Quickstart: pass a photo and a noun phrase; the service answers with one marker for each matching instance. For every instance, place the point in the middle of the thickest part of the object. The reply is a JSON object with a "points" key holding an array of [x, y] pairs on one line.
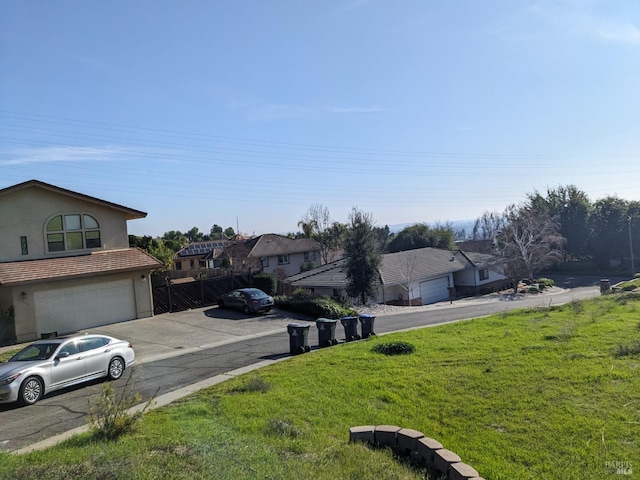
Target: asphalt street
{"points": [[180, 353]]}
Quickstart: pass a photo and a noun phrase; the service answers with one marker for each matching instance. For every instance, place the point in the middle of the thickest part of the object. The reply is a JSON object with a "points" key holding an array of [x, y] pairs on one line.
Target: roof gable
{"points": [[129, 213]]}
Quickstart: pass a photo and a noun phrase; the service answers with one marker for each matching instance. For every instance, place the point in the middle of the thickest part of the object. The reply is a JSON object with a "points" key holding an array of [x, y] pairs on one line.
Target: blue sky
{"points": [[245, 113]]}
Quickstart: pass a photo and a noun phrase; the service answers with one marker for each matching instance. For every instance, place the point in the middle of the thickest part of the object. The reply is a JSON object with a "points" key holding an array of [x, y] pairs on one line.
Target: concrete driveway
{"points": [[172, 334]]}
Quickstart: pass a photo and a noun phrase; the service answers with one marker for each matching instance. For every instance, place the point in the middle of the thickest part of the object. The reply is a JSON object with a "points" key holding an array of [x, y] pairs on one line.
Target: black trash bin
{"points": [[298, 338], [326, 332], [366, 325], [350, 325]]}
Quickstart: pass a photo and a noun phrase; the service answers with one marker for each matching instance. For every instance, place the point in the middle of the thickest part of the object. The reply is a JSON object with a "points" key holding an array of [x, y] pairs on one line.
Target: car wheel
{"points": [[245, 309], [267, 310], [116, 368], [30, 391], [221, 304]]}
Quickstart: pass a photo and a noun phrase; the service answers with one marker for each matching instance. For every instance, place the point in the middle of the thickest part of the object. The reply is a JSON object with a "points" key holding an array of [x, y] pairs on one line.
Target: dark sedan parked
{"points": [[248, 300]]}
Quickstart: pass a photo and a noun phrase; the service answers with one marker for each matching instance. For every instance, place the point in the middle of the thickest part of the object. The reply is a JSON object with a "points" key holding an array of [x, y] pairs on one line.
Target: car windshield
{"points": [[256, 294], [37, 351]]}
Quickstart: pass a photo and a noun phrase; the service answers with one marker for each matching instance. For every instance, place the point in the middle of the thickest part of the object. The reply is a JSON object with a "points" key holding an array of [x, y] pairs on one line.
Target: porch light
{"points": [[23, 295]]}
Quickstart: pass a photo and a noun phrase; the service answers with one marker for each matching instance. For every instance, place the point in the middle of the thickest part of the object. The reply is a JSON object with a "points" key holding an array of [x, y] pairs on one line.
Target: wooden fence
{"points": [[177, 297]]}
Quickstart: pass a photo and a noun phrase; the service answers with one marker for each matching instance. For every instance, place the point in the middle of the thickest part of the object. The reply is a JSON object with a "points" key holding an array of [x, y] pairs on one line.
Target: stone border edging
{"points": [[420, 449]]}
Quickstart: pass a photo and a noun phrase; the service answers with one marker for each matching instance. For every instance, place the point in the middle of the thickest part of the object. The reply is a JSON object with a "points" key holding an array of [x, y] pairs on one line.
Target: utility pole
{"points": [[633, 267]]}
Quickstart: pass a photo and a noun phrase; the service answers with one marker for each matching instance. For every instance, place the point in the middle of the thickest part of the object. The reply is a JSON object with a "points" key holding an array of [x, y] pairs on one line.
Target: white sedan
{"points": [[48, 365]]}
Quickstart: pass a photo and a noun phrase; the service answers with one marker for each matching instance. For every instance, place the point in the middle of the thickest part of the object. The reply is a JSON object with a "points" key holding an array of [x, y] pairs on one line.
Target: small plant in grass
{"points": [[282, 428], [110, 415], [394, 348], [576, 306], [254, 384], [628, 350]]}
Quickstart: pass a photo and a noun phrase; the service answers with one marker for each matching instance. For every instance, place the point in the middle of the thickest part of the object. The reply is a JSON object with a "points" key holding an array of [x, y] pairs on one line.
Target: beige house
{"points": [[65, 263], [276, 254]]}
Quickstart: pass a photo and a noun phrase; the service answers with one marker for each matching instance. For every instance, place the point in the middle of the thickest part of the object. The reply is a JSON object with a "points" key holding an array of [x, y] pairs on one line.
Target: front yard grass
{"points": [[531, 394]]}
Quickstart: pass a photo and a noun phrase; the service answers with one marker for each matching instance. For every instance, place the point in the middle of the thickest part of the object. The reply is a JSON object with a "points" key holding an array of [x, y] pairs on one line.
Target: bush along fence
{"points": [[422, 451]]}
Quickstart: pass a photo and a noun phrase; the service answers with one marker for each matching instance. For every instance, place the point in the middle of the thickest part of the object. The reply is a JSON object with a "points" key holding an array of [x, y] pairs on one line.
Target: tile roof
{"points": [[61, 268]]}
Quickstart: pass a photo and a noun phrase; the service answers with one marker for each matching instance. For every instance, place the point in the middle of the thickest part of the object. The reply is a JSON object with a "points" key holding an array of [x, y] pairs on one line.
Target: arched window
{"points": [[73, 231]]}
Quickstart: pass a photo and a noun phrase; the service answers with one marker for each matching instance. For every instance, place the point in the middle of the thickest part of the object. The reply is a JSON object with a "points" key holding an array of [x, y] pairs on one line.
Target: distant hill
{"points": [[466, 225]]}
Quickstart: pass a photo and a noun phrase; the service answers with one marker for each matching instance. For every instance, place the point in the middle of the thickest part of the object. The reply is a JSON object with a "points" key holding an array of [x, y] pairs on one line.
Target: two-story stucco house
{"points": [[65, 263]]}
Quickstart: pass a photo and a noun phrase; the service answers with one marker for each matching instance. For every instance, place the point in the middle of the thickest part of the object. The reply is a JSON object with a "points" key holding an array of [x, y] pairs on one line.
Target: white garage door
{"points": [[70, 309], [434, 290]]}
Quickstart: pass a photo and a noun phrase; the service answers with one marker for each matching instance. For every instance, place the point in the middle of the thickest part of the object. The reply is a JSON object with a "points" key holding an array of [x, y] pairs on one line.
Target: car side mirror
{"points": [[62, 355]]}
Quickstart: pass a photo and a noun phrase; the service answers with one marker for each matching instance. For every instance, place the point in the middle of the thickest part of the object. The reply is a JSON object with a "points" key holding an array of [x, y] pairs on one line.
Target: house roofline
{"points": [[130, 212]]}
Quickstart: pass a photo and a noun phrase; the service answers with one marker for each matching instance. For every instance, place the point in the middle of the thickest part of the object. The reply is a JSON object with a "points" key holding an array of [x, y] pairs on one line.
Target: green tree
{"points": [[216, 232], [609, 238], [162, 250], [195, 235], [140, 242], [421, 235], [382, 237], [362, 256], [175, 240], [229, 232], [571, 208]]}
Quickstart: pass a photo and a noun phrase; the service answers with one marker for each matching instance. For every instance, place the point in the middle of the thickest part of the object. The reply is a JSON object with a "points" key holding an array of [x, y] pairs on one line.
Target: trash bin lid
{"points": [[298, 325], [366, 315], [325, 320]]}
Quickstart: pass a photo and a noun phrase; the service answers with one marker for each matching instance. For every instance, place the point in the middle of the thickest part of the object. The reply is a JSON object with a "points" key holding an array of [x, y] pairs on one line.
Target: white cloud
{"points": [[61, 154], [626, 33]]}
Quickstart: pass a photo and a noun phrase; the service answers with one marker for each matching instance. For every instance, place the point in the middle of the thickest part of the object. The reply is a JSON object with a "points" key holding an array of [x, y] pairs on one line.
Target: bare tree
{"points": [[488, 226], [530, 240], [319, 216], [316, 223], [407, 271]]}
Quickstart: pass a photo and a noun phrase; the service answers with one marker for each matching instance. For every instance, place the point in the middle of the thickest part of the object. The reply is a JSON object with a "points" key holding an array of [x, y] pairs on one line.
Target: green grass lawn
{"points": [[533, 394]]}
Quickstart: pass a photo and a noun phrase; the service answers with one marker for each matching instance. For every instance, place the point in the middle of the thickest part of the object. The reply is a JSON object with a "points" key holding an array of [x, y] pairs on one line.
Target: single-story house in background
{"points": [[66, 264], [417, 277]]}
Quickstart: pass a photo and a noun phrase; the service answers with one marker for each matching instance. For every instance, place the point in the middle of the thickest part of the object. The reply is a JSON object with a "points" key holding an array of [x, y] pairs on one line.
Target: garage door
{"points": [[70, 309], [434, 290]]}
